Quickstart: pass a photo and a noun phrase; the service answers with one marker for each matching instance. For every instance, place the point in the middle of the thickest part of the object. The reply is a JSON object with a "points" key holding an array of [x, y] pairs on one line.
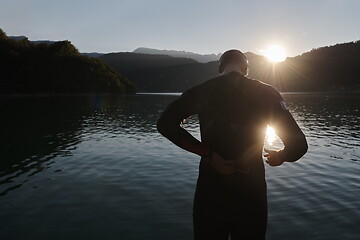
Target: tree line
{"points": [[55, 68], [327, 69]]}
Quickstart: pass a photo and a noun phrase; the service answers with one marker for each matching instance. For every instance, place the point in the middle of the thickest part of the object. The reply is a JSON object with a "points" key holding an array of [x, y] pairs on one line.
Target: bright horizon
{"points": [[204, 27]]}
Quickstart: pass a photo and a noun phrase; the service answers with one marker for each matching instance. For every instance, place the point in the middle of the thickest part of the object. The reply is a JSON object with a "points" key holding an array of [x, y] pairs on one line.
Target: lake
{"points": [[94, 167]]}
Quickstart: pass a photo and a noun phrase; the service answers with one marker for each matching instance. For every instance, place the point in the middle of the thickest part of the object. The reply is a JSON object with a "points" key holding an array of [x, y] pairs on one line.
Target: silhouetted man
{"points": [[234, 112]]}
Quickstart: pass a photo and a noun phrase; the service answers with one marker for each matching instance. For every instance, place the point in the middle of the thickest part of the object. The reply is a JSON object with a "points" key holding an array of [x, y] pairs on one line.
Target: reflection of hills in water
{"points": [[116, 167], [38, 130]]}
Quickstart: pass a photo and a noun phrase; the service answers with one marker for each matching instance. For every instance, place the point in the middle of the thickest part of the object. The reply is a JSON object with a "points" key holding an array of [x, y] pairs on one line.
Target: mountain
{"points": [[19, 38], [163, 73], [26, 67], [93, 54], [332, 68], [181, 54], [127, 61], [43, 42], [144, 69]]}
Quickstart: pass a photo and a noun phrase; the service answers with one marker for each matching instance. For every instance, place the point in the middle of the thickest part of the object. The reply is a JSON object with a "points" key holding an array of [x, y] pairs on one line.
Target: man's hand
{"points": [[274, 158], [221, 165]]}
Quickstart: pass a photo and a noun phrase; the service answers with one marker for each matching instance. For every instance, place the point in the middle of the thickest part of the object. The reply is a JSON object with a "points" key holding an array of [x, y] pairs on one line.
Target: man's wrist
{"points": [[208, 154]]}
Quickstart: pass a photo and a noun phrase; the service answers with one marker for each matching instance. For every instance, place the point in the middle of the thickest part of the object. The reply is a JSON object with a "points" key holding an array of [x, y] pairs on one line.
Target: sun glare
{"points": [[270, 136], [275, 53]]}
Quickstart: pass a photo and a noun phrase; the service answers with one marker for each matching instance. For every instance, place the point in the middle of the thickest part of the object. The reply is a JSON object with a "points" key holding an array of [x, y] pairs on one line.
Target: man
{"points": [[233, 112]]}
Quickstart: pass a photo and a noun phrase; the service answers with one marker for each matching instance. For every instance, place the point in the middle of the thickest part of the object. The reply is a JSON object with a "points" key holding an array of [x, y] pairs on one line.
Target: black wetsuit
{"points": [[234, 112]]}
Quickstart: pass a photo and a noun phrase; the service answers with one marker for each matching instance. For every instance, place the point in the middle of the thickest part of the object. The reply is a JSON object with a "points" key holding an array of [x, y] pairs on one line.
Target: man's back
{"points": [[233, 111]]}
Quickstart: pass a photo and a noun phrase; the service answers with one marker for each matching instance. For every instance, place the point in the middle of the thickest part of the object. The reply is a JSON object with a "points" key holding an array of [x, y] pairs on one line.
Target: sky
{"points": [[198, 26]]}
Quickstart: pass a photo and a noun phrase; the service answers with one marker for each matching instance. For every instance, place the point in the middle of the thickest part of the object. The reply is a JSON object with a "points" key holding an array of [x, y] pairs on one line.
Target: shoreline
{"points": [[16, 95], [282, 93]]}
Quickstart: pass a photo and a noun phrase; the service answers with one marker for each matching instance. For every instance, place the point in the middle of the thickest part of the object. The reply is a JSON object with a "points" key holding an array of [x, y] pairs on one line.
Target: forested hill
{"points": [[203, 58], [54, 68], [127, 61], [158, 73], [333, 68]]}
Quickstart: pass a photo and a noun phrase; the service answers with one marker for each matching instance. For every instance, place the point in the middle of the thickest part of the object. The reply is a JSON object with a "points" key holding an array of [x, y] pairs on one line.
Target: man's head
{"points": [[233, 60]]}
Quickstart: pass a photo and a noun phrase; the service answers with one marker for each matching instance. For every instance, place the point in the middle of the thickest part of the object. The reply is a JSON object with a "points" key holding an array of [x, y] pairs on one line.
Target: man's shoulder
{"points": [[208, 84], [212, 81], [266, 89], [254, 87]]}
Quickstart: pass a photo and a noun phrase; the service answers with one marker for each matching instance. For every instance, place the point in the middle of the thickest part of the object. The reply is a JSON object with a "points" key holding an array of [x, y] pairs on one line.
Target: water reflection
{"points": [[107, 161], [332, 120], [34, 131]]}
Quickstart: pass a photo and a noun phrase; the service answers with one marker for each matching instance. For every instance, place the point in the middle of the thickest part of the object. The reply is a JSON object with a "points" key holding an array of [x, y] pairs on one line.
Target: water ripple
{"points": [[76, 161]]}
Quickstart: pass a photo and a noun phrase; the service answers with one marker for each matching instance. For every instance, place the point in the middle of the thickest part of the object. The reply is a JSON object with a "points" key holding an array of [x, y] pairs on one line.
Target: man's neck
{"points": [[232, 68]]}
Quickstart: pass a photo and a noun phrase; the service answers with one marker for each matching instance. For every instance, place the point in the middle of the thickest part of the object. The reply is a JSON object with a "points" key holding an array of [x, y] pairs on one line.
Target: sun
{"points": [[275, 53]]}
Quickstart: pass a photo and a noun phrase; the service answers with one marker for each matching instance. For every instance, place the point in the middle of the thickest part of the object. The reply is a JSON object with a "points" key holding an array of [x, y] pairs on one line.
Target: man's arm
{"points": [[289, 132], [169, 124]]}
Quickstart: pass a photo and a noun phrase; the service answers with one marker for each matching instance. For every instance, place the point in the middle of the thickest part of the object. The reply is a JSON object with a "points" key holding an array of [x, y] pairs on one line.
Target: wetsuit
{"points": [[233, 112]]}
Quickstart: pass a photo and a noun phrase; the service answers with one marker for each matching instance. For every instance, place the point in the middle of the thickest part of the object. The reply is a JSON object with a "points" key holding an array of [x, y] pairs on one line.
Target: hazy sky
{"points": [[197, 26]]}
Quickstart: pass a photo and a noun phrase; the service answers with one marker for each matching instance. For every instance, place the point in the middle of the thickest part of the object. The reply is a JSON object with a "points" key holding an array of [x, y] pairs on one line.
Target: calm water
{"points": [[95, 168]]}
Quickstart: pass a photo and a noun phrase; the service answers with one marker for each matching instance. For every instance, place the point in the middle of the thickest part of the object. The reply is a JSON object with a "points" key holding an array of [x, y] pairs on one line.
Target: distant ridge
{"points": [[43, 42], [201, 58], [124, 62], [180, 54], [19, 38], [326, 69], [92, 54]]}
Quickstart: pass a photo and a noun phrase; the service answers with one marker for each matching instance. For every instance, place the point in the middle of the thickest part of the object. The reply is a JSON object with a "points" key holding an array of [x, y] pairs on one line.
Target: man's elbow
{"points": [[161, 127], [304, 147], [297, 149], [165, 127]]}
